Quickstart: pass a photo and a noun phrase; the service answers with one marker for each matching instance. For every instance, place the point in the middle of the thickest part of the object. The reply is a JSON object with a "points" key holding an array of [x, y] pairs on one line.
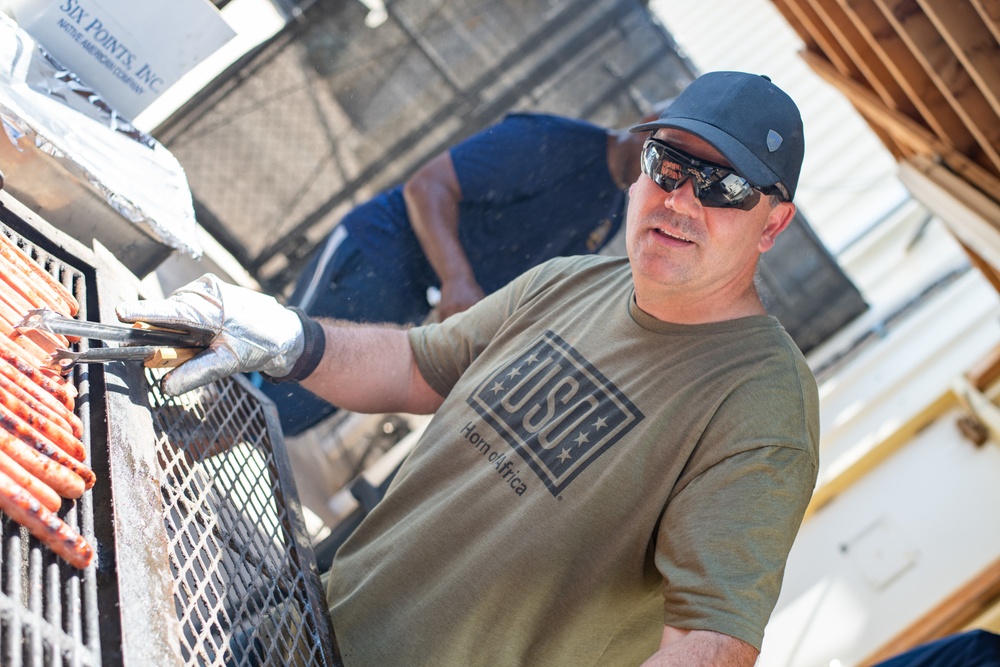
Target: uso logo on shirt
{"points": [[557, 410]]}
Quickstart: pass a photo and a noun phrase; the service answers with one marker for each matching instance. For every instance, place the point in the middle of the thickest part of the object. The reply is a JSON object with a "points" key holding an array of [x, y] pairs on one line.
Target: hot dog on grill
{"points": [[35, 353], [61, 479], [29, 436], [56, 416], [13, 376], [63, 392], [28, 283], [37, 274], [32, 358], [16, 280], [45, 340], [41, 491], [12, 408], [55, 533]]}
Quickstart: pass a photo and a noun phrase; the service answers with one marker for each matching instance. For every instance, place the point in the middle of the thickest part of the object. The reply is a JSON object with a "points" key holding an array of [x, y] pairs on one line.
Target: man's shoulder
{"points": [[575, 265], [577, 272]]}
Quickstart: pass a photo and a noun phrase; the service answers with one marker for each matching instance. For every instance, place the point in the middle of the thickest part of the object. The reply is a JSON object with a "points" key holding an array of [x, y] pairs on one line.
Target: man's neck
{"points": [[687, 309]]}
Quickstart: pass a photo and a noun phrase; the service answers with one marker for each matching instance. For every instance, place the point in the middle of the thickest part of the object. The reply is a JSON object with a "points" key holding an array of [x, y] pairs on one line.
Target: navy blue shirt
{"points": [[534, 186]]}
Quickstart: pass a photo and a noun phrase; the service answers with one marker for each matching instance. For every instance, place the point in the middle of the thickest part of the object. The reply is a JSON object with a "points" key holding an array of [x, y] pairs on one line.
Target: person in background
{"points": [[622, 448], [532, 187], [973, 648]]}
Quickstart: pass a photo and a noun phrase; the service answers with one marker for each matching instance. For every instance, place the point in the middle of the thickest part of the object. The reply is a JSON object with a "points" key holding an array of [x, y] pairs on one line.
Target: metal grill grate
{"points": [[48, 609], [245, 588]]}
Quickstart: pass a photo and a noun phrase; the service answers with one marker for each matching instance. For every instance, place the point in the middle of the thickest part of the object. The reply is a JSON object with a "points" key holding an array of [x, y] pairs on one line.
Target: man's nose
{"points": [[683, 198]]}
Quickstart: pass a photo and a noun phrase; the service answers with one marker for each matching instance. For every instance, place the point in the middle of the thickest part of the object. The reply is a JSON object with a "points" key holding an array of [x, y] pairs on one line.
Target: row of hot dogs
{"points": [[41, 452]]}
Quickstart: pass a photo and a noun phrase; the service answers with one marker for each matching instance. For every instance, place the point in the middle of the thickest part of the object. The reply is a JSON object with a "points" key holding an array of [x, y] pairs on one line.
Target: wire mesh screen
{"points": [[338, 106], [49, 609], [245, 587]]}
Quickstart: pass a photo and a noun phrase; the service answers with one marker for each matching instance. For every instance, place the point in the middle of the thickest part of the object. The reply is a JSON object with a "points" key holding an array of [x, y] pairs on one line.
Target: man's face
{"points": [[677, 246]]}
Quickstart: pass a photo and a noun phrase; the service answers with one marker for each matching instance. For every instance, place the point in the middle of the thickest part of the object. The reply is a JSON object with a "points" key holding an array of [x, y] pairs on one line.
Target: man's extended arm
{"points": [[370, 369], [432, 195], [365, 368], [701, 648]]}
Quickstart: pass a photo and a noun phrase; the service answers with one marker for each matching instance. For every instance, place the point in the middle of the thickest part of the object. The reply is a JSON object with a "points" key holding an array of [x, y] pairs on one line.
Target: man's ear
{"points": [[777, 220]]}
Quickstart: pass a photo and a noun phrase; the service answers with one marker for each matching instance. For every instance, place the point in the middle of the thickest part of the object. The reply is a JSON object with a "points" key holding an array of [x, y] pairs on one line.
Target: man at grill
{"points": [[530, 188], [622, 448]]}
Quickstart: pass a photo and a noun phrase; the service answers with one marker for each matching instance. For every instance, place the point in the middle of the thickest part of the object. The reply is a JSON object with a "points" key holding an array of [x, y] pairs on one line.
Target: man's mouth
{"points": [[672, 235]]}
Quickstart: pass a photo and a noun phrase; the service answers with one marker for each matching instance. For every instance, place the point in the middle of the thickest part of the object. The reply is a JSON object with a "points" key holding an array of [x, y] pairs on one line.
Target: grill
{"points": [[48, 609], [201, 553], [238, 562]]}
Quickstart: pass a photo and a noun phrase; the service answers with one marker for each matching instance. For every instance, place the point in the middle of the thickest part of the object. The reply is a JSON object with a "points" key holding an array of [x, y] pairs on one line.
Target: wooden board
{"points": [[980, 140], [972, 43], [872, 69], [906, 68], [908, 132], [925, 74], [989, 12]]}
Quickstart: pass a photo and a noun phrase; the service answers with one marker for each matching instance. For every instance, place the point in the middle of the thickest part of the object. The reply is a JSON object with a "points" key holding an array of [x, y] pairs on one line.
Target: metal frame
{"points": [[123, 609], [573, 33]]}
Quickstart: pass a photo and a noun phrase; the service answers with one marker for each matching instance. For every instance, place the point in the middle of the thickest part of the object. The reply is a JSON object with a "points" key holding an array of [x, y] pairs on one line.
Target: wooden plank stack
{"points": [[925, 74]]}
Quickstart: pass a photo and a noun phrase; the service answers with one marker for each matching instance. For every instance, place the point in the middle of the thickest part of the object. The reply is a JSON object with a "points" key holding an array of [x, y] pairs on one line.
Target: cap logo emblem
{"points": [[773, 140]]}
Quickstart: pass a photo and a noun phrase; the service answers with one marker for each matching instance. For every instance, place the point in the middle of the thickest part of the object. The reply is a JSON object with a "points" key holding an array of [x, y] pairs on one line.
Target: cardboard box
{"points": [[83, 171], [128, 51]]}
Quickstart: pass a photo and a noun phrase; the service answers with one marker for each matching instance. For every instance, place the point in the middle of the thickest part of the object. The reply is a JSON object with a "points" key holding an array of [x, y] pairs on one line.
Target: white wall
{"points": [[916, 522], [915, 531]]}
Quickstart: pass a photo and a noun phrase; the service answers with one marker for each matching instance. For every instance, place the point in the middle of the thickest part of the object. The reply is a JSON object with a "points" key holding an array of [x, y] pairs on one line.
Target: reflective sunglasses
{"points": [[714, 185]]}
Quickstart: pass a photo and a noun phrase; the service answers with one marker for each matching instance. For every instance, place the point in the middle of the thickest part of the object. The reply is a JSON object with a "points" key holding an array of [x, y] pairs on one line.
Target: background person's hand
{"points": [[457, 296], [250, 331]]}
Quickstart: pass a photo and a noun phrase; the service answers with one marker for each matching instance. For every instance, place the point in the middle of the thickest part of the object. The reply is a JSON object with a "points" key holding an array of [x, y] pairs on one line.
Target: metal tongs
{"points": [[153, 346]]}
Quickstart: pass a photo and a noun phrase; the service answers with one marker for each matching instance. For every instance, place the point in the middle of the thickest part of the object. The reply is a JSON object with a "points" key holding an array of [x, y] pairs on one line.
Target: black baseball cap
{"points": [[752, 122]]}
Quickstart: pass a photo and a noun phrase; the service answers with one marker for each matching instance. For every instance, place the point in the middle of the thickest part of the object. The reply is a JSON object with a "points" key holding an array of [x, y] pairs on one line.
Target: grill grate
{"points": [[201, 495], [245, 589], [48, 609]]}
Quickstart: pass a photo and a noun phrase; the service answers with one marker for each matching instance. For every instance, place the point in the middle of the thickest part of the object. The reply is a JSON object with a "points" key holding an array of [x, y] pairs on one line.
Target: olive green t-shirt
{"points": [[593, 474]]}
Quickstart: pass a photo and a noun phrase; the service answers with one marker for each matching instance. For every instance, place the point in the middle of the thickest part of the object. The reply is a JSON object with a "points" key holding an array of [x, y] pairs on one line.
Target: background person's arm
{"points": [[701, 648], [432, 195]]}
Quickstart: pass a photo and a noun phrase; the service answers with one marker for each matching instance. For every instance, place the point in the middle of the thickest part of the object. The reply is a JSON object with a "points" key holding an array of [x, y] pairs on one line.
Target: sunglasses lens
{"points": [[715, 187], [732, 191]]}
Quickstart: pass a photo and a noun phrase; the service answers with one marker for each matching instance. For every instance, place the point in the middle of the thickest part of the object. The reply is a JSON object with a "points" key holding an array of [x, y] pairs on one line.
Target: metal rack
{"points": [[48, 609], [201, 553]]}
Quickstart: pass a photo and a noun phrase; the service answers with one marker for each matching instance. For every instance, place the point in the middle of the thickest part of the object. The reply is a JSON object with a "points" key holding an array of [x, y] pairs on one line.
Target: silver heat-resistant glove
{"points": [[249, 331]]}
